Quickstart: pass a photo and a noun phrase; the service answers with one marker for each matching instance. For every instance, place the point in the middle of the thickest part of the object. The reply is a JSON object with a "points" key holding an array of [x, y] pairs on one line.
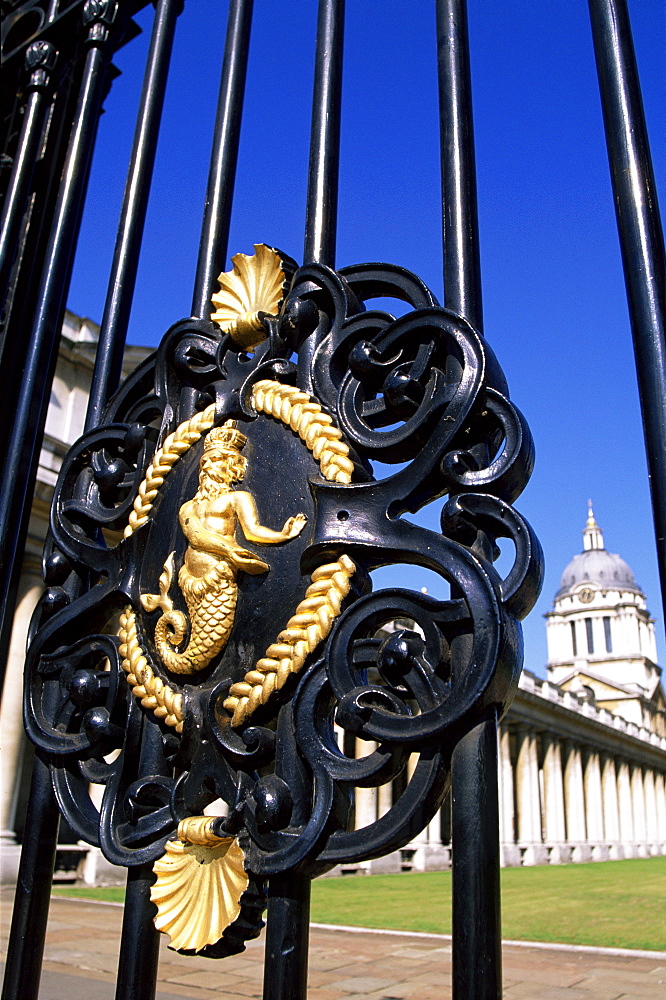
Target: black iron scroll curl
{"points": [[422, 392]]}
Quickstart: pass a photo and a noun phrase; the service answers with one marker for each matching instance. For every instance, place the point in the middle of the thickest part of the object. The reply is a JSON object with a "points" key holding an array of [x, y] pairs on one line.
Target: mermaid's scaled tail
{"points": [[211, 603]]}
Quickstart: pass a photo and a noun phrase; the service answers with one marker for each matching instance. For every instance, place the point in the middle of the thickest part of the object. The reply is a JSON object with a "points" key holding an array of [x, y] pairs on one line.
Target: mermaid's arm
{"points": [[246, 509]]}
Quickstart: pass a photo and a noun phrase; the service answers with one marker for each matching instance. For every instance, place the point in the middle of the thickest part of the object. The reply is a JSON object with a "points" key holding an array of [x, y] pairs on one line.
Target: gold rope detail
{"points": [[182, 439], [314, 616], [305, 630], [306, 417], [166, 703], [154, 694]]}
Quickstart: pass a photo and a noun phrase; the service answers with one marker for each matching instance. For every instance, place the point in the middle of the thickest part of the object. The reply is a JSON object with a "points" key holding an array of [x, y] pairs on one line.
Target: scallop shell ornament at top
{"points": [[198, 889], [253, 286]]}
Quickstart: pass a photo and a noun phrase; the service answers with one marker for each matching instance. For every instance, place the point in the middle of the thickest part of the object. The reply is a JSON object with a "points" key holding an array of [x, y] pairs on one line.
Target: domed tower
{"points": [[601, 637]]}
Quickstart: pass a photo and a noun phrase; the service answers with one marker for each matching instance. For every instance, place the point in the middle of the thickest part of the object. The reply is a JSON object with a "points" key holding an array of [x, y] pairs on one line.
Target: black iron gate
{"points": [[176, 667]]}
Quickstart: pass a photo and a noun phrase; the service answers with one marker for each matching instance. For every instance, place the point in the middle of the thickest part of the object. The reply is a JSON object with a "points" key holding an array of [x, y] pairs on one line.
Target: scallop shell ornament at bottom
{"points": [[198, 889]]}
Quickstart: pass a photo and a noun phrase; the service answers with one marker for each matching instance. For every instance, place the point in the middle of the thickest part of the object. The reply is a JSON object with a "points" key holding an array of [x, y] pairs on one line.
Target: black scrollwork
{"points": [[402, 674]]}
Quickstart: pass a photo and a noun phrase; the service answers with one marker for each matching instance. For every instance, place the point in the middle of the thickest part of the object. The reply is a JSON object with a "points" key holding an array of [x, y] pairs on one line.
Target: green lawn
{"points": [[618, 904]]}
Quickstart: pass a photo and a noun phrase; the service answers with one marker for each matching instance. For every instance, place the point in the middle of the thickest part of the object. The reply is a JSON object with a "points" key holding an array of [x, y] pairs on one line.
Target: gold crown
{"points": [[225, 438]]}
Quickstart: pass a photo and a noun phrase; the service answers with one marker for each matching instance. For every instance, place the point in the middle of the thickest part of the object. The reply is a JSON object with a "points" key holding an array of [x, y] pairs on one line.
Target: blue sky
{"points": [[554, 301]]}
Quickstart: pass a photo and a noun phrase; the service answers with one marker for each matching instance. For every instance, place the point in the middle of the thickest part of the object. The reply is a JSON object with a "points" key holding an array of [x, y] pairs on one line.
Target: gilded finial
{"points": [[592, 536]]}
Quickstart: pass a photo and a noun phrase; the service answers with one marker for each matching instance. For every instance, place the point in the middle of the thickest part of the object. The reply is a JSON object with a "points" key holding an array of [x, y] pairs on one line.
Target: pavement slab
{"points": [[83, 936]]}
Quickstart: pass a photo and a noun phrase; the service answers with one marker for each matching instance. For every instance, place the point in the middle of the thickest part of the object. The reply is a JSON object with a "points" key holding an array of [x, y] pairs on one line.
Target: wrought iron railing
{"points": [[283, 367]]}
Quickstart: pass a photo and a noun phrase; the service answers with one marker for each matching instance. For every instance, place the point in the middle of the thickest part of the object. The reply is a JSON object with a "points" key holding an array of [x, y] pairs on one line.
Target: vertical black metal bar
{"points": [[23, 449], [38, 853], [462, 265], [224, 157], [322, 201], [140, 941], [287, 938], [33, 889], [288, 922], [113, 331], [40, 59], [477, 946], [641, 237]]}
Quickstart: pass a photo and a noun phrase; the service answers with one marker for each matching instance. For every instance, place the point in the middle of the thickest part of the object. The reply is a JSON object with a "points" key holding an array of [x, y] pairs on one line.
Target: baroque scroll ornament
{"points": [[230, 515]]}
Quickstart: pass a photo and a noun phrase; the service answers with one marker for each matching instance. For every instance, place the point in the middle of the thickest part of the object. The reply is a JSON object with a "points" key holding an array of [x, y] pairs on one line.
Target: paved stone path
{"points": [[82, 945]]}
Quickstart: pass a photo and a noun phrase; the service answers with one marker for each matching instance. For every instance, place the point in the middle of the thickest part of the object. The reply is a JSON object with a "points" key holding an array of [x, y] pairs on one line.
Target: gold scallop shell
{"points": [[254, 285], [198, 891]]}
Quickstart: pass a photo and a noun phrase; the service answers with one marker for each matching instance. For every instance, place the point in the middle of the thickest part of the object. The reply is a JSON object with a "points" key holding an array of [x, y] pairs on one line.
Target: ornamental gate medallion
{"points": [[230, 515]]}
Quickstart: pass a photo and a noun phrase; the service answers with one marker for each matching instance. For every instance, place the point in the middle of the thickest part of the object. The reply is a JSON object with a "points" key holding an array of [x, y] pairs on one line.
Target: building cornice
{"points": [[543, 706]]}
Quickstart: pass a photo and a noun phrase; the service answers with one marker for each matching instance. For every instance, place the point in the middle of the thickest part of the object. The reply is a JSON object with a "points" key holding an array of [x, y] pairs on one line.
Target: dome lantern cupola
{"points": [[592, 536], [595, 567], [600, 633]]}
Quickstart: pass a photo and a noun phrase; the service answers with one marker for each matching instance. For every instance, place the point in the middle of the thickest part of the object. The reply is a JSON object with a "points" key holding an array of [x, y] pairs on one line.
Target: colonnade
{"points": [[561, 800]]}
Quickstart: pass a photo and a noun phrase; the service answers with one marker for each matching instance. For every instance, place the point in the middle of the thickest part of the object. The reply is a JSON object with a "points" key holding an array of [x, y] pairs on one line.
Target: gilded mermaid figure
{"points": [[213, 557]]}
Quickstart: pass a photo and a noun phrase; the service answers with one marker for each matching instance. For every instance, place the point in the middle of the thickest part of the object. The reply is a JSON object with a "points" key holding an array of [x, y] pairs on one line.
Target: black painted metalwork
{"points": [[322, 202], [33, 889], [287, 937], [40, 60], [113, 330], [139, 943], [224, 156], [641, 237], [475, 829], [88, 33], [476, 924], [419, 407], [287, 932], [462, 259], [431, 374]]}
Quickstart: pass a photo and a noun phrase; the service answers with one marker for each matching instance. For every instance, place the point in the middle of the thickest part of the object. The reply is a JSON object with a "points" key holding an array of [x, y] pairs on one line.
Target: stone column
{"points": [[553, 788], [610, 808], [11, 725], [390, 862], [651, 812], [509, 853], [419, 842], [527, 789], [638, 806], [435, 829], [594, 816], [574, 799], [626, 810], [366, 798], [437, 856], [384, 798], [660, 796], [365, 801]]}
